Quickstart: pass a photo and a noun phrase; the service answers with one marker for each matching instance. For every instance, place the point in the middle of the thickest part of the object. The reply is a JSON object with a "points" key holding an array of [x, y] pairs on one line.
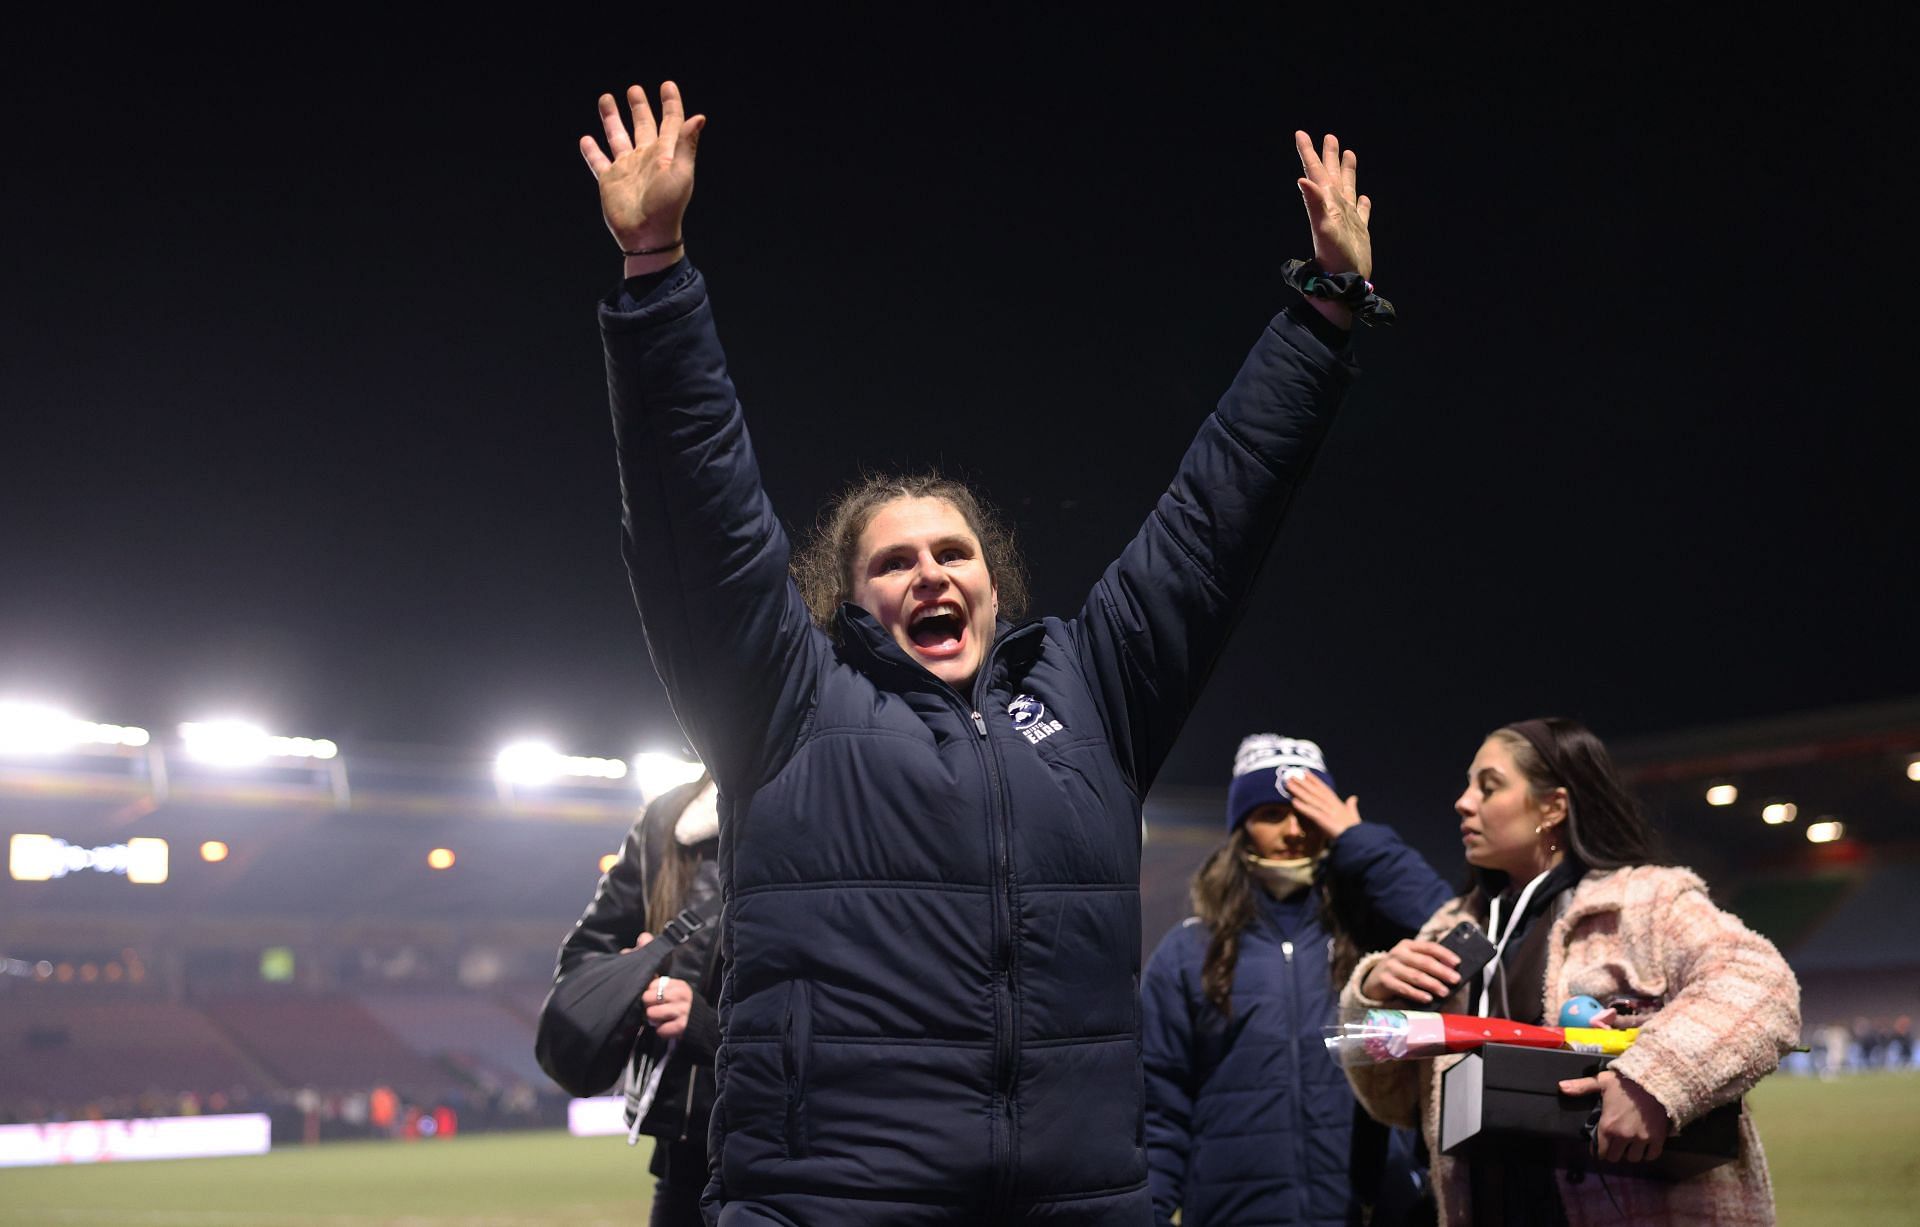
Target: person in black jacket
{"points": [[1248, 1119], [930, 815], [666, 866]]}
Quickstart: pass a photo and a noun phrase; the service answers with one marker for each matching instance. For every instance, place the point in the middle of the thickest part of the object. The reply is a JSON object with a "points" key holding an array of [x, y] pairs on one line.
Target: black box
{"points": [[1506, 1099]]}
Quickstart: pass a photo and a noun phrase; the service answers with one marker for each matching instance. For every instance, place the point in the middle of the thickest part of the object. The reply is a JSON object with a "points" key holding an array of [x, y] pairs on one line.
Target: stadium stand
{"points": [[470, 1032], [57, 1050], [1786, 909], [327, 1043], [1872, 929]]}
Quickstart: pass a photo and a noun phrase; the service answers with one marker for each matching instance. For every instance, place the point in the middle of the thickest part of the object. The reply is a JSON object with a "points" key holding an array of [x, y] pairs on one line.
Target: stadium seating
{"points": [[1786, 909], [1872, 929], [56, 1050], [470, 1031], [328, 1043]]}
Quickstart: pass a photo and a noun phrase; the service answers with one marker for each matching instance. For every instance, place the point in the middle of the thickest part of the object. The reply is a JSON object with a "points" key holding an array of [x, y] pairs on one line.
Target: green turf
{"points": [[500, 1180], [1846, 1151]]}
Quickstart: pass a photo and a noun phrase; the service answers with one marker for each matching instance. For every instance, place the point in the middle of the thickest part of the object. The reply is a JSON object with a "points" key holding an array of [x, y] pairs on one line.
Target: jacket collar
{"points": [[1606, 890]]}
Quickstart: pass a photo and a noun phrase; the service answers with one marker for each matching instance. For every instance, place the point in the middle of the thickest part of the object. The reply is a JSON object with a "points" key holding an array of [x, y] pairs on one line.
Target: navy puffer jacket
{"points": [[1249, 1120], [932, 898]]}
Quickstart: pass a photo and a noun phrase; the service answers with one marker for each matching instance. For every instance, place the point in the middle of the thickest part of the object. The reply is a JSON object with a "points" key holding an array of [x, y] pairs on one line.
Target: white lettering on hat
{"points": [[1269, 751]]}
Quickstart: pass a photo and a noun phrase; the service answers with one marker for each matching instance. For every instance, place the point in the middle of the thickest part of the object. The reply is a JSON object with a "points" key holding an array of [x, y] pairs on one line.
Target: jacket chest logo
{"points": [[1030, 719]]}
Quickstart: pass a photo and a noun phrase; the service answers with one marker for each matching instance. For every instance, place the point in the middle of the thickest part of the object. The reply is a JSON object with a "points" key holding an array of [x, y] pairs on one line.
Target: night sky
{"points": [[303, 418]]}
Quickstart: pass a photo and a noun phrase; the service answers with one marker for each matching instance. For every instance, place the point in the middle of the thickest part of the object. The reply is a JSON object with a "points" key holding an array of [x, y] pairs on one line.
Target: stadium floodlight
{"points": [[32, 858], [38, 728], [1779, 812], [1913, 770], [1722, 794], [595, 768], [238, 743], [533, 763], [528, 762], [301, 747], [608, 861], [147, 861], [1826, 831], [440, 858], [225, 743], [213, 851], [655, 772], [43, 858]]}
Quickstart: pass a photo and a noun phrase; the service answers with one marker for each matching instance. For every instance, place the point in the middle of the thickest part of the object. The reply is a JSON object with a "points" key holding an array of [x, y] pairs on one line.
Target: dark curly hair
{"points": [[824, 566]]}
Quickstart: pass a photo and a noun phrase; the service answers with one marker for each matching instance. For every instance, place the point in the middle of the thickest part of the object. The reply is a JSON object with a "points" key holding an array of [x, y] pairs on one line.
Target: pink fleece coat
{"points": [[1731, 1010]]}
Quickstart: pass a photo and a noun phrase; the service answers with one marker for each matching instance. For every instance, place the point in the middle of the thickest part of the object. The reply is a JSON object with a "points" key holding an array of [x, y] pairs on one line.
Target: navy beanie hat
{"points": [[1261, 769]]}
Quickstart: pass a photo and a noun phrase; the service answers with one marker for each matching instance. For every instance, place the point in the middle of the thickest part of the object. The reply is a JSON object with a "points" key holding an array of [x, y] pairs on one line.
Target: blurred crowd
{"points": [[1835, 1048]]}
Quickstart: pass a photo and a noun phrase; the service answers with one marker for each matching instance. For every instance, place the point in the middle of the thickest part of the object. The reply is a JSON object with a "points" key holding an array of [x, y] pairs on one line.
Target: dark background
{"points": [[303, 415]]}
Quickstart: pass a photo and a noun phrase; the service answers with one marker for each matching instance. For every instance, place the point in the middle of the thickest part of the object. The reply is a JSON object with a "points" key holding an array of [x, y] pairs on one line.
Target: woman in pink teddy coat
{"points": [[1565, 885]]}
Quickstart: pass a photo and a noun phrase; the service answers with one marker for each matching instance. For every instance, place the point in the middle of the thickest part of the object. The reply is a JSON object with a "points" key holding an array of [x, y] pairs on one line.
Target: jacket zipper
{"points": [[1005, 1055], [686, 1112], [1002, 1132], [1297, 1092]]}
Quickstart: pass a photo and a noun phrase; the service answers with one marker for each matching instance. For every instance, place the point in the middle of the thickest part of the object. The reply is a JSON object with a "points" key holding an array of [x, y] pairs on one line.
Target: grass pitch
{"points": [[495, 1180], [1842, 1152]]}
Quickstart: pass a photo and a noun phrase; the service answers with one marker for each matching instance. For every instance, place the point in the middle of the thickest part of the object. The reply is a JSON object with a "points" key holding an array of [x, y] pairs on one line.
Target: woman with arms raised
{"points": [[930, 815]]}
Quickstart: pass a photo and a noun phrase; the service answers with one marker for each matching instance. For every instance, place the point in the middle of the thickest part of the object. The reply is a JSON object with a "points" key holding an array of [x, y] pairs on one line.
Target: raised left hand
{"points": [[1633, 1125], [1336, 212]]}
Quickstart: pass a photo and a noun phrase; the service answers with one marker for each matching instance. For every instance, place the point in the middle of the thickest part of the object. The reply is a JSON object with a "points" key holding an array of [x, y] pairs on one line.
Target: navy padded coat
{"points": [[1249, 1119], [932, 921]]}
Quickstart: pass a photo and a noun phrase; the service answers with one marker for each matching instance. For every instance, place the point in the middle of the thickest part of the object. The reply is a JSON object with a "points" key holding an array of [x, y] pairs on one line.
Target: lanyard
{"points": [[1500, 947], [640, 1094]]}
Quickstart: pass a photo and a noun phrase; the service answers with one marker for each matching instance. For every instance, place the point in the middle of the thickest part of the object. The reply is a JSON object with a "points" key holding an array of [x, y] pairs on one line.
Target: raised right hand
{"points": [[646, 180], [1413, 971], [1315, 803]]}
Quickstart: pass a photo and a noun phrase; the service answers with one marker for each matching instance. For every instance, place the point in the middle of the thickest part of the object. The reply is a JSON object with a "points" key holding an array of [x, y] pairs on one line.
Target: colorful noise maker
{"points": [[1401, 1035], [1578, 1011]]}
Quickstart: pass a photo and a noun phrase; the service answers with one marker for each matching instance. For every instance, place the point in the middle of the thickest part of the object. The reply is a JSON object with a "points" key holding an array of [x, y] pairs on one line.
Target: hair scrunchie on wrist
{"points": [[1350, 289]]}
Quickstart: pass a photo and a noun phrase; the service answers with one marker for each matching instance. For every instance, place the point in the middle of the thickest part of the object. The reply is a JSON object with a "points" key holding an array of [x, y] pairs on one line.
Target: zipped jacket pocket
{"points": [[795, 1049]]}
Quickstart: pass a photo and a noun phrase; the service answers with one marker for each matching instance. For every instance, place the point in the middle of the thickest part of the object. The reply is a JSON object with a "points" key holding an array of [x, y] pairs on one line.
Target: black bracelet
{"points": [[1351, 289], [654, 251]]}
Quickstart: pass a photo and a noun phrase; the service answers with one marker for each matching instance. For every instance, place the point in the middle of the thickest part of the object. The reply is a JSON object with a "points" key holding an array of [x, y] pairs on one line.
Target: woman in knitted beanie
{"points": [[1248, 1119]]}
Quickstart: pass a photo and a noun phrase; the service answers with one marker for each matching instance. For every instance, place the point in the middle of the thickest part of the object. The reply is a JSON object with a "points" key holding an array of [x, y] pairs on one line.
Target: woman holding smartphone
{"points": [[1567, 887]]}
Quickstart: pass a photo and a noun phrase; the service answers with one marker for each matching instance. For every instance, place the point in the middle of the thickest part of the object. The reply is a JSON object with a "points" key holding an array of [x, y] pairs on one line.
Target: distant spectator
{"points": [[1835, 1041], [383, 1109]]}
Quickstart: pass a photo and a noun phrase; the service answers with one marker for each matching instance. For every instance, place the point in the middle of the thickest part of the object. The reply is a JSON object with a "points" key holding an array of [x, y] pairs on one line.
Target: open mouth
{"points": [[938, 629]]}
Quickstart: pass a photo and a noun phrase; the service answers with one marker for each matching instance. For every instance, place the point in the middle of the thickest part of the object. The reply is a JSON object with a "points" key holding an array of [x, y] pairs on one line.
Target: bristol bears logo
{"points": [[1030, 719]]}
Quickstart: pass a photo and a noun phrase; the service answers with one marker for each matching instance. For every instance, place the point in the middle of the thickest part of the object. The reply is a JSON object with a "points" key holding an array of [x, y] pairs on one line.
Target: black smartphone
{"points": [[1475, 951]]}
